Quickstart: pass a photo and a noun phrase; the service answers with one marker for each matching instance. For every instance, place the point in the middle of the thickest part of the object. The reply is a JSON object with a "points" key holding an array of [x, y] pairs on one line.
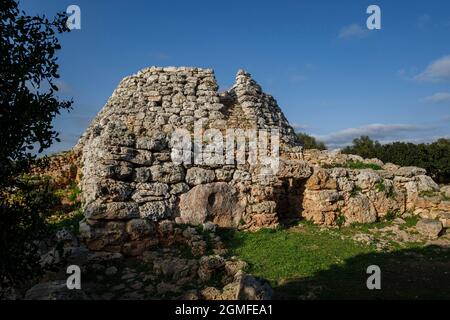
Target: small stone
{"points": [[149, 289], [209, 226], [128, 276], [111, 271], [118, 287], [136, 286], [429, 227], [399, 221], [444, 218], [195, 176]]}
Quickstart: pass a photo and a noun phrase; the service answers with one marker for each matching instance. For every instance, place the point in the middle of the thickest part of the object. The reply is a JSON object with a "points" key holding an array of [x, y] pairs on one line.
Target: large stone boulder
{"points": [[429, 227], [217, 202], [54, 290]]}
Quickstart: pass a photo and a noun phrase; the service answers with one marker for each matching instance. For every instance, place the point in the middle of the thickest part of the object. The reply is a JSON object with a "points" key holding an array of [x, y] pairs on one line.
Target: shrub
{"points": [[309, 142], [340, 220], [379, 186], [434, 157], [355, 191], [361, 165]]}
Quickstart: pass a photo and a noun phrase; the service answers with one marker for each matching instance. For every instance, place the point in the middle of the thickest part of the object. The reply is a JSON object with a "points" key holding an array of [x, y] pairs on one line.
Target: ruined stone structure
{"points": [[130, 182], [334, 193], [132, 186]]}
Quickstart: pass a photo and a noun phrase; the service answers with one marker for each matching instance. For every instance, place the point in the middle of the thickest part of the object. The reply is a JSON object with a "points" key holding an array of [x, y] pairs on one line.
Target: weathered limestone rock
{"points": [[217, 202], [54, 290], [247, 287], [444, 218], [359, 209], [195, 176], [429, 227]]}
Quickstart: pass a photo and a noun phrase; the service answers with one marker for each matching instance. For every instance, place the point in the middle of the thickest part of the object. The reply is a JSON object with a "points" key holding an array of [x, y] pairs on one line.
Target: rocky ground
{"points": [[176, 272], [298, 261], [295, 268]]}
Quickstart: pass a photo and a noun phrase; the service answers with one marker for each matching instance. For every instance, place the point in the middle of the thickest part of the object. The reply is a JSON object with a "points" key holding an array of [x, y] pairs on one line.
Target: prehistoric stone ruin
{"points": [[134, 191]]}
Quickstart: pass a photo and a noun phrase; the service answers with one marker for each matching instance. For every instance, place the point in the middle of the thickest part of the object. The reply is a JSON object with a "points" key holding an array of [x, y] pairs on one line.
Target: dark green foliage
{"points": [[364, 147], [309, 142], [28, 69], [28, 104], [434, 157], [22, 225], [353, 165], [355, 191], [361, 165], [390, 215], [340, 220], [379, 186]]}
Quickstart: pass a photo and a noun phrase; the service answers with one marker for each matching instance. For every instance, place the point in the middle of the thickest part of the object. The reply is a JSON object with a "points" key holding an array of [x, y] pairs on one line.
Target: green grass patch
{"points": [[379, 186], [62, 220], [355, 191], [327, 262], [354, 165]]}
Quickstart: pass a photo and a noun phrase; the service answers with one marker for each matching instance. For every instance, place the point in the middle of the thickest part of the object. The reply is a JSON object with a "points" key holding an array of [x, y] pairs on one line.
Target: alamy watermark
{"points": [[74, 280], [235, 146], [374, 20], [374, 280], [74, 17]]}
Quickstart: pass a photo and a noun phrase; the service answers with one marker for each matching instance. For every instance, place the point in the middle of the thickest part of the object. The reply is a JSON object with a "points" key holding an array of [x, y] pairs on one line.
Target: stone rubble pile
{"points": [[193, 264]]}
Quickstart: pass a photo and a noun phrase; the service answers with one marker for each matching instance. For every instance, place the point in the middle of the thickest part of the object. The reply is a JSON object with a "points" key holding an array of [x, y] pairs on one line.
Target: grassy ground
{"points": [[307, 261]]}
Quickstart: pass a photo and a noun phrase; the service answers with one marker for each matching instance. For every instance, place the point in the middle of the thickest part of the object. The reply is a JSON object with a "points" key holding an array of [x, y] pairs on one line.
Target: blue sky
{"points": [[332, 77]]}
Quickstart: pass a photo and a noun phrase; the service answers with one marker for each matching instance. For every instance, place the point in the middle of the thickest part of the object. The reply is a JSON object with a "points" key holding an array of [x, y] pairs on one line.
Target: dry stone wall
{"points": [[340, 195]]}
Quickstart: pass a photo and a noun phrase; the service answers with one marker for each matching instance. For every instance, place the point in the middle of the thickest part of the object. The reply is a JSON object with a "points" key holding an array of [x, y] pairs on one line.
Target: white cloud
{"points": [[353, 31], [297, 78], [438, 70], [382, 132], [424, 21], [439, 97]]}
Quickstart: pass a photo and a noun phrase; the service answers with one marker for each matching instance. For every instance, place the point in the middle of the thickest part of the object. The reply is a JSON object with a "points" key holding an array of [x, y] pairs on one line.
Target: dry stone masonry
{"points": [[133, 189], [130, 182]]}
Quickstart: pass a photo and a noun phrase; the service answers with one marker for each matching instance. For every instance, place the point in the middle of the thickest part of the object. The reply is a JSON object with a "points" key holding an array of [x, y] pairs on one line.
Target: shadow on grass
{"points": [[422, 273], [413, 273]]}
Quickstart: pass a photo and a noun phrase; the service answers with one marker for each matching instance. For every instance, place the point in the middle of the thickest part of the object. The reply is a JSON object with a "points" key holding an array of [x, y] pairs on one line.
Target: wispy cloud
{"points": [[353, 31], [439, 97], [160, 55], [437, 71], [423, 21], [383, 132], [297, 78]]}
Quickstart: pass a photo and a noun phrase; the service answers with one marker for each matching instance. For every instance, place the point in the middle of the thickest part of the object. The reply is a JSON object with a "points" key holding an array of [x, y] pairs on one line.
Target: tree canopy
{"points": [[434, 157], [28, 69], [309, 142], [28, 104]]}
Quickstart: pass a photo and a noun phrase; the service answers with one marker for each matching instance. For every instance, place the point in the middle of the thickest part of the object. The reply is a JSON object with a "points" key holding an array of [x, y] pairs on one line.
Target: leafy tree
{"points": [[310, 142], [28, 104], [434, 157], [363, 146], [28, 69]]}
